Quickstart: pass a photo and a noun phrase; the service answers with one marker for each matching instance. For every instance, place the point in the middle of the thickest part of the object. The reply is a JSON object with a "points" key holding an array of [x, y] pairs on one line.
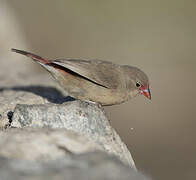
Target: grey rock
{"points": [[84, 118], [43, 144], [88, 166], [9, 99], [34, 94]]}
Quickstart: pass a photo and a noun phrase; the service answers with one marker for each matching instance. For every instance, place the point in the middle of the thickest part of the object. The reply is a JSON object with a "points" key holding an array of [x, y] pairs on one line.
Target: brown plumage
{"points": [[98, 81]]}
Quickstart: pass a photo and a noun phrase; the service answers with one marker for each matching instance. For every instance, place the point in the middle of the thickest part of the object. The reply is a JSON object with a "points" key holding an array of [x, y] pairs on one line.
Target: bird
{"points": [[96, 81]]}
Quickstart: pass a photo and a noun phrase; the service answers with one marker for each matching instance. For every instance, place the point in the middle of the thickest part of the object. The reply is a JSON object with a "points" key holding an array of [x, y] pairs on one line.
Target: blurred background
{"points": [[158, 36]]}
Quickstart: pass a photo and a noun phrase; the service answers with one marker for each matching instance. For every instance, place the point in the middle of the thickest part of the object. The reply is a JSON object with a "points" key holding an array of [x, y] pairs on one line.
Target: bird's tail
{"points": [[33, 56]]}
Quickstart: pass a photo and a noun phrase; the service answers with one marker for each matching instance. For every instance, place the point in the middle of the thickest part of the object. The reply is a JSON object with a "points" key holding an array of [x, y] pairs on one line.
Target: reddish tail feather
{"points": [[33, 56]]}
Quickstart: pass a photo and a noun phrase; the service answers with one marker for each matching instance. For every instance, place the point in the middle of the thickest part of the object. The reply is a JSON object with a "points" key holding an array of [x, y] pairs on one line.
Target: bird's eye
{"points": [[138, 84]]}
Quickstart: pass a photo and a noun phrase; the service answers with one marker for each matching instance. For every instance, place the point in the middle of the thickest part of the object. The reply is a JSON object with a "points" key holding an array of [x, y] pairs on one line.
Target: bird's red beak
{"points": [[146, 91]]}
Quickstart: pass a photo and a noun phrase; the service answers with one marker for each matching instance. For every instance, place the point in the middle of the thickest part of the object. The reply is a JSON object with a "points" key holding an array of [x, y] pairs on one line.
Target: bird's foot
{"points": [[94, 103]]}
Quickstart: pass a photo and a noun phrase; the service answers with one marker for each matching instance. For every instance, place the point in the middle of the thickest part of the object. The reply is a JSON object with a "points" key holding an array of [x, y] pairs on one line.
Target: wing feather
{"points": [[101, 72]]}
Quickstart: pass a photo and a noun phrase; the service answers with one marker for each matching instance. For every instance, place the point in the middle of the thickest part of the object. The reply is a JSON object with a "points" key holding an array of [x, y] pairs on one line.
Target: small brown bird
{"points": [[95, 80]]}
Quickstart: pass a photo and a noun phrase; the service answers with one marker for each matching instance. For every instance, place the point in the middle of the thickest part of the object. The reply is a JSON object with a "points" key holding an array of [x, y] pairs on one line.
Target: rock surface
{"points": [[34, 94], [43, 144], [88, 166], [52, 132], [81, 117]]}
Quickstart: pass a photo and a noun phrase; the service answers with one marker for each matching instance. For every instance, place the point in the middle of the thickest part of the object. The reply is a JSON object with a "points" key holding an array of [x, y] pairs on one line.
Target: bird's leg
{"points": [[94, 103]]}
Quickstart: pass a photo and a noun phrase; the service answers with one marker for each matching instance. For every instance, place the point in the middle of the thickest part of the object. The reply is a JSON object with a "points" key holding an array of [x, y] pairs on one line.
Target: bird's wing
{"points": [[100, 72]]}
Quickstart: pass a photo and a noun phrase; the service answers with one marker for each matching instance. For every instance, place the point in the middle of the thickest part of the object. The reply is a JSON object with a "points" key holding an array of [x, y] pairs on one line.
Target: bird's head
{"points": [[137, 82]]}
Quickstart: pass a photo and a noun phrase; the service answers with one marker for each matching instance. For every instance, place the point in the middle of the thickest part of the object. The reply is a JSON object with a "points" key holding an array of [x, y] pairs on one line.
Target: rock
{"points": [[8, 101], [92, 166], [41, 153], [43, 144], [10, 96], [81, 117], [42, 107]]}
